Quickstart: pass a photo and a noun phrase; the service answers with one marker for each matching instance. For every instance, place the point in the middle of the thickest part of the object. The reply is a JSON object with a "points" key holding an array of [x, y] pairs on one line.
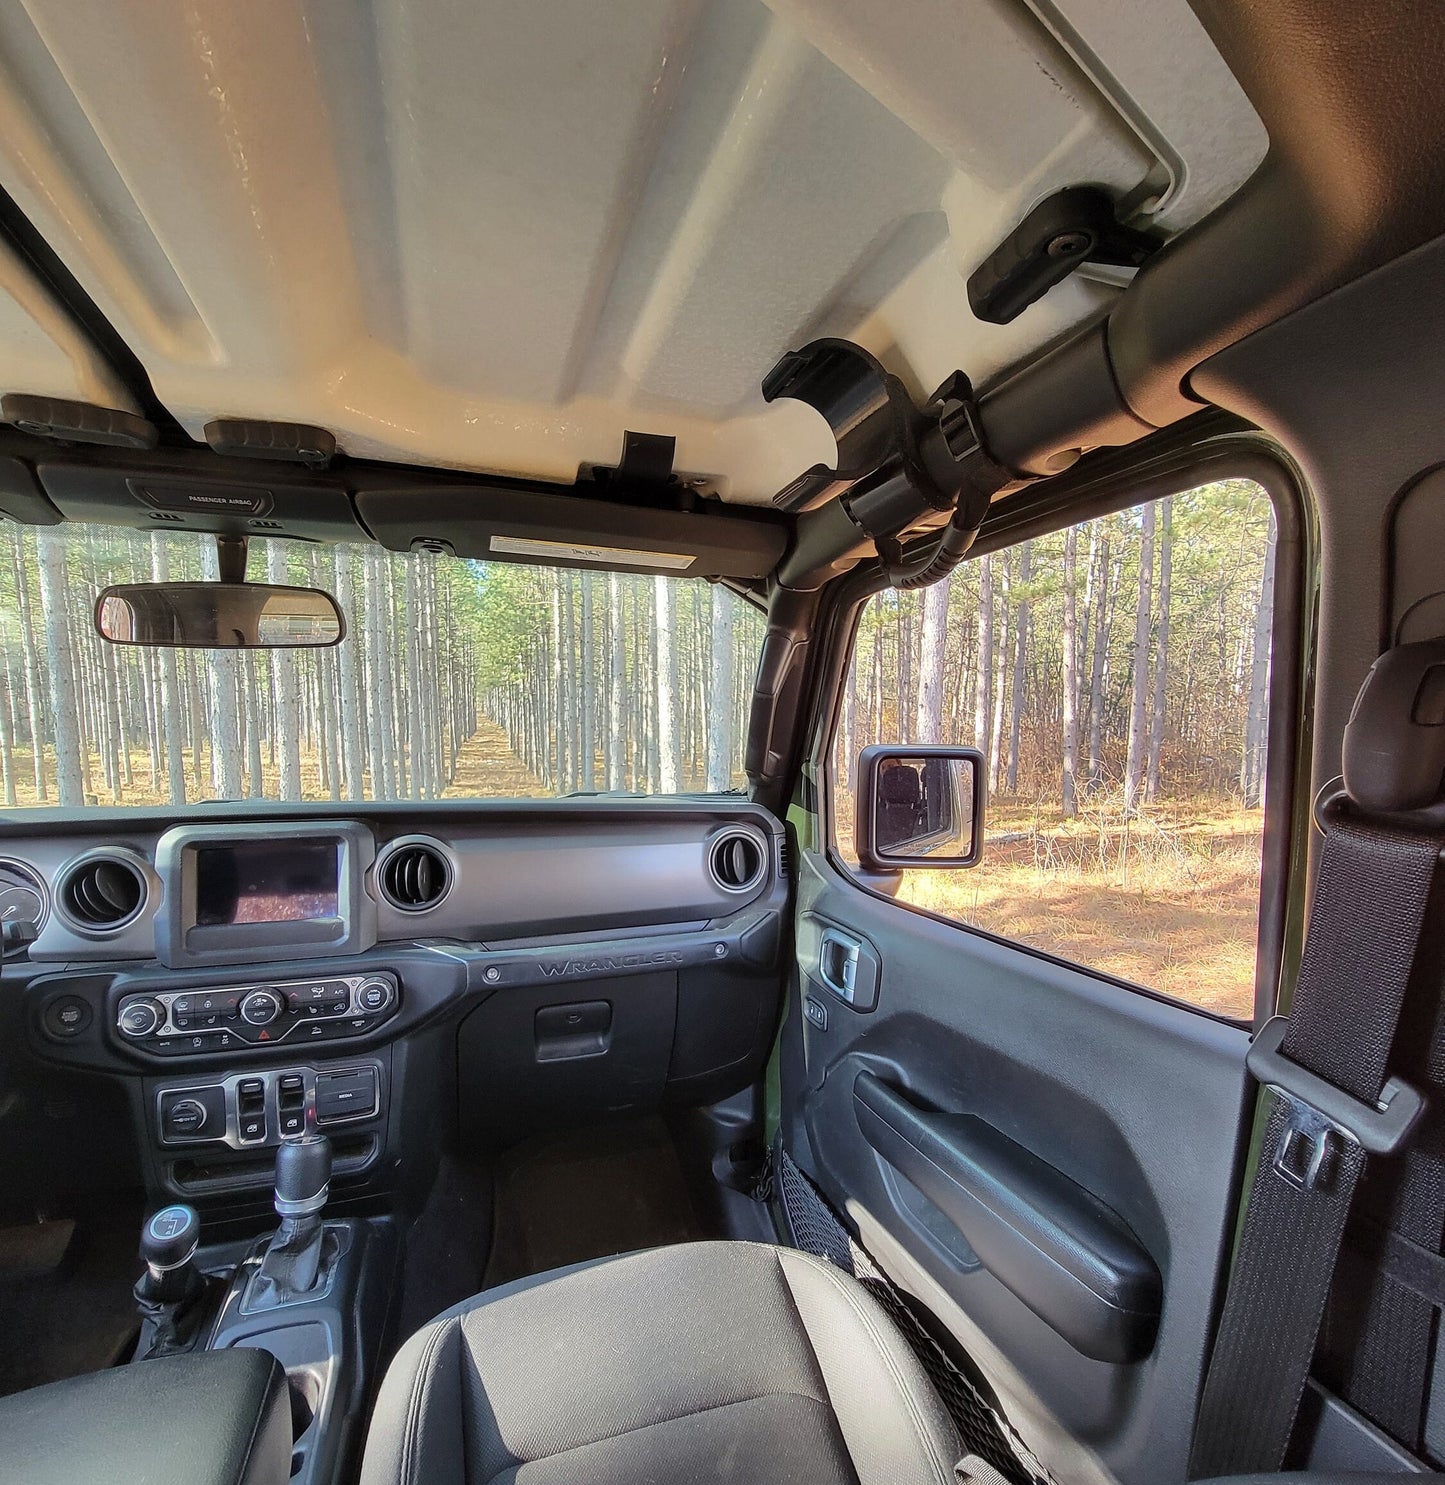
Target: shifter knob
{"points": [[169, 1239], [303, 1175], [168, 1245]]}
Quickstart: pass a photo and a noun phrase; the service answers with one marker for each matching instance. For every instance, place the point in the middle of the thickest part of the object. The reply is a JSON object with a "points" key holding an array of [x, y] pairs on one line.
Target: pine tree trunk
{"points": [[1098, 664], [587, 690], [850, 718], [983, 686], [932, 648], [225, 703], [7, 734], [1161, 652], [1020, 658], [616, 687], [1139, 703], [170, 690], [348, 663], [251, 722], [196, 714], [1071, 674], [720, 691], [998, 753], [1256, 729], [666, 690], [34, 707], [380, 625], [288, 693], [53, 589]]}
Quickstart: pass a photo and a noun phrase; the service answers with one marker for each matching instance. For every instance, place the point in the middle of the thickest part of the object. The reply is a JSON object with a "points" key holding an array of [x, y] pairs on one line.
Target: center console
{"points": [[314, 1294]]}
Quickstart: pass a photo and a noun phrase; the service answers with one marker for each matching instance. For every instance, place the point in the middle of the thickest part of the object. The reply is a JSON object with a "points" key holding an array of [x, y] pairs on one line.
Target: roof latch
{"points": [[1074, 226]]}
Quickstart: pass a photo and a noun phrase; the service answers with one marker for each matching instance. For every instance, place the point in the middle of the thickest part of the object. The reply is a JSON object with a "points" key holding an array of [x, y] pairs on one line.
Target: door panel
{"points": [[1034, 1153]]}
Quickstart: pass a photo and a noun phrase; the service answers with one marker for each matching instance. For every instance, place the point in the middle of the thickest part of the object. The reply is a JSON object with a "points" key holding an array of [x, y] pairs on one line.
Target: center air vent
{"points": [[414, 875], [736, 860], [102, 893]]}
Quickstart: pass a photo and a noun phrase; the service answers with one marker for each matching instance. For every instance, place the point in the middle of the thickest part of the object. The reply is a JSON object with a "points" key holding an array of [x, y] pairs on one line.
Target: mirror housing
{"points": [[919, 807], [219, 616]]}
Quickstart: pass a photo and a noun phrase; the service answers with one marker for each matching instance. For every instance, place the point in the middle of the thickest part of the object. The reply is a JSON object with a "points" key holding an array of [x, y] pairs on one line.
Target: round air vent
{"points": [[414, 874], [102, 893], [736, 860]]}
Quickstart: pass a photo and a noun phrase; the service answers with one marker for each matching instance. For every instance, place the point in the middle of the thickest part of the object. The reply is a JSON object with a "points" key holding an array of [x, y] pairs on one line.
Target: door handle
{"points": [[842, 962], [838, 963]]}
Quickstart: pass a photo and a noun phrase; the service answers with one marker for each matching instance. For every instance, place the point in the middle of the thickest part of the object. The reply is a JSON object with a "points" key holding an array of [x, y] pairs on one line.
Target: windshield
{"points": [[456, 679]]}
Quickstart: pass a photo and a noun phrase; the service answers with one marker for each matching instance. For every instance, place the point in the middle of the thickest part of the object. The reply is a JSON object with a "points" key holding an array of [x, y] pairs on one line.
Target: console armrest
{"points": [[209, 1418]]}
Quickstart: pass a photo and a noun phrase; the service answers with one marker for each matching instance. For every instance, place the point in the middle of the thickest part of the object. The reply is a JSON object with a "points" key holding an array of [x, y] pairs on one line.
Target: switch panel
{"points": [[248, 1111]]}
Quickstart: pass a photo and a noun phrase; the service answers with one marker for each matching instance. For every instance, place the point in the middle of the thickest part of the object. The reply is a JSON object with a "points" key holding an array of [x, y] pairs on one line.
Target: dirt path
{"points": [[488, 768]]}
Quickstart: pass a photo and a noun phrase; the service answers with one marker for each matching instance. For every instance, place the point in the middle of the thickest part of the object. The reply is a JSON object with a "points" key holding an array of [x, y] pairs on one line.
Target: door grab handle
{"points": [[1072, 1260]]}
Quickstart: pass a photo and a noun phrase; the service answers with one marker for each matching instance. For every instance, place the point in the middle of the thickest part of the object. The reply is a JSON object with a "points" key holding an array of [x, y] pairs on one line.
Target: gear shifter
{"points": [[293, 1259], [170, 1291]]}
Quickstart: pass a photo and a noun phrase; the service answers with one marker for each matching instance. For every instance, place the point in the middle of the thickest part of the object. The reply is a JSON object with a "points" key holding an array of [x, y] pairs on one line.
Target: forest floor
{"points": [[1168, 899], [487, 768]]}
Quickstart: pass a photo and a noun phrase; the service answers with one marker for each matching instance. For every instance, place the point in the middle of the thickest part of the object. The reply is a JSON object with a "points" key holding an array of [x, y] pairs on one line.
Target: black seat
{"points": [[706, 1362]]}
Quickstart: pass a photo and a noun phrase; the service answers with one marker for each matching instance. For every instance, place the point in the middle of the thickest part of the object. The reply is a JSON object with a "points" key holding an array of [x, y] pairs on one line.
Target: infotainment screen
{"points": [[267, 881]]}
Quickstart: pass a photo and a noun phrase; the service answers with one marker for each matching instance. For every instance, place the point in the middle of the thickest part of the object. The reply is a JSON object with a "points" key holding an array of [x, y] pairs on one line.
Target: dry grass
{"points": [[1168, 898]]}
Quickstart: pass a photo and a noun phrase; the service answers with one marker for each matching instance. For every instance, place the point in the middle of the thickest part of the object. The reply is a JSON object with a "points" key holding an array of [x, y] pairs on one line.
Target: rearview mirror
{"points": [[219, 616], [919, 807]]}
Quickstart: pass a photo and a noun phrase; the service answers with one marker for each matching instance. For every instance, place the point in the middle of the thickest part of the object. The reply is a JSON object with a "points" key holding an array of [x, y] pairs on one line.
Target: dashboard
{"points": [[479, 969]]}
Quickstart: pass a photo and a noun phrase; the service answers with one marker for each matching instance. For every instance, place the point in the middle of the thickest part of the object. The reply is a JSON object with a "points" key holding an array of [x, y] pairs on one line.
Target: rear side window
{"points": [[1116, 676]]}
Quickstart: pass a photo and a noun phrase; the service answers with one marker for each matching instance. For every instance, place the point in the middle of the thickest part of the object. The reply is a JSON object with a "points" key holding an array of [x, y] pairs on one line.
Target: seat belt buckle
{"points": [[1317, 1113]]}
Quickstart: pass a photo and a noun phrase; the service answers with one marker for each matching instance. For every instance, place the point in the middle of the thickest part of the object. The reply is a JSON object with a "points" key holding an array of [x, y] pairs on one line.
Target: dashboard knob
{"points": [[260, 1007], [373, 995], [185, 1116], [140, 1018]]}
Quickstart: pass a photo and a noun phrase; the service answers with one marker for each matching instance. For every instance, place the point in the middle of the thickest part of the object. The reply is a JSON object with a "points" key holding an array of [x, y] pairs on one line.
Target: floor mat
{"points": [[67, 1312], [567, 1198]]}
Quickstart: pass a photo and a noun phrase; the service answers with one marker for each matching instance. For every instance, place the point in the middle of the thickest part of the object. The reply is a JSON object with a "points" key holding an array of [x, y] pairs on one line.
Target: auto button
{"points": [[260, 1007]]}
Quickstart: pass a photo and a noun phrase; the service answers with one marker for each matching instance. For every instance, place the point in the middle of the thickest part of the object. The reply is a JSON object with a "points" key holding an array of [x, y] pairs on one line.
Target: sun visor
{"points": [[20, 496], [177, 499], [573, 531]]}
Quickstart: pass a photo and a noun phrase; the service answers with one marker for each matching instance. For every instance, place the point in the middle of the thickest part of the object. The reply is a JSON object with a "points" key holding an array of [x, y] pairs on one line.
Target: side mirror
{"points": [[919, 807], [219, 616]]}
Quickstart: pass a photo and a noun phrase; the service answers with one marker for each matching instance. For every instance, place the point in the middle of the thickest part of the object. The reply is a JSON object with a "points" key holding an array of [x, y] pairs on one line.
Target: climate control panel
{"points": [[230, 1018]]}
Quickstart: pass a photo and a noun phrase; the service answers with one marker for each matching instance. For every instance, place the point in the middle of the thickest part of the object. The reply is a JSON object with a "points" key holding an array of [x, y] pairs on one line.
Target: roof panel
{"points": [[497, 236]]}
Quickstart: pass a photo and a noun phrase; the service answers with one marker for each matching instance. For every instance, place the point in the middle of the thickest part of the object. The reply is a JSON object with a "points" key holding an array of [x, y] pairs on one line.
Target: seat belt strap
{"points": [[1335, 1107]]}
